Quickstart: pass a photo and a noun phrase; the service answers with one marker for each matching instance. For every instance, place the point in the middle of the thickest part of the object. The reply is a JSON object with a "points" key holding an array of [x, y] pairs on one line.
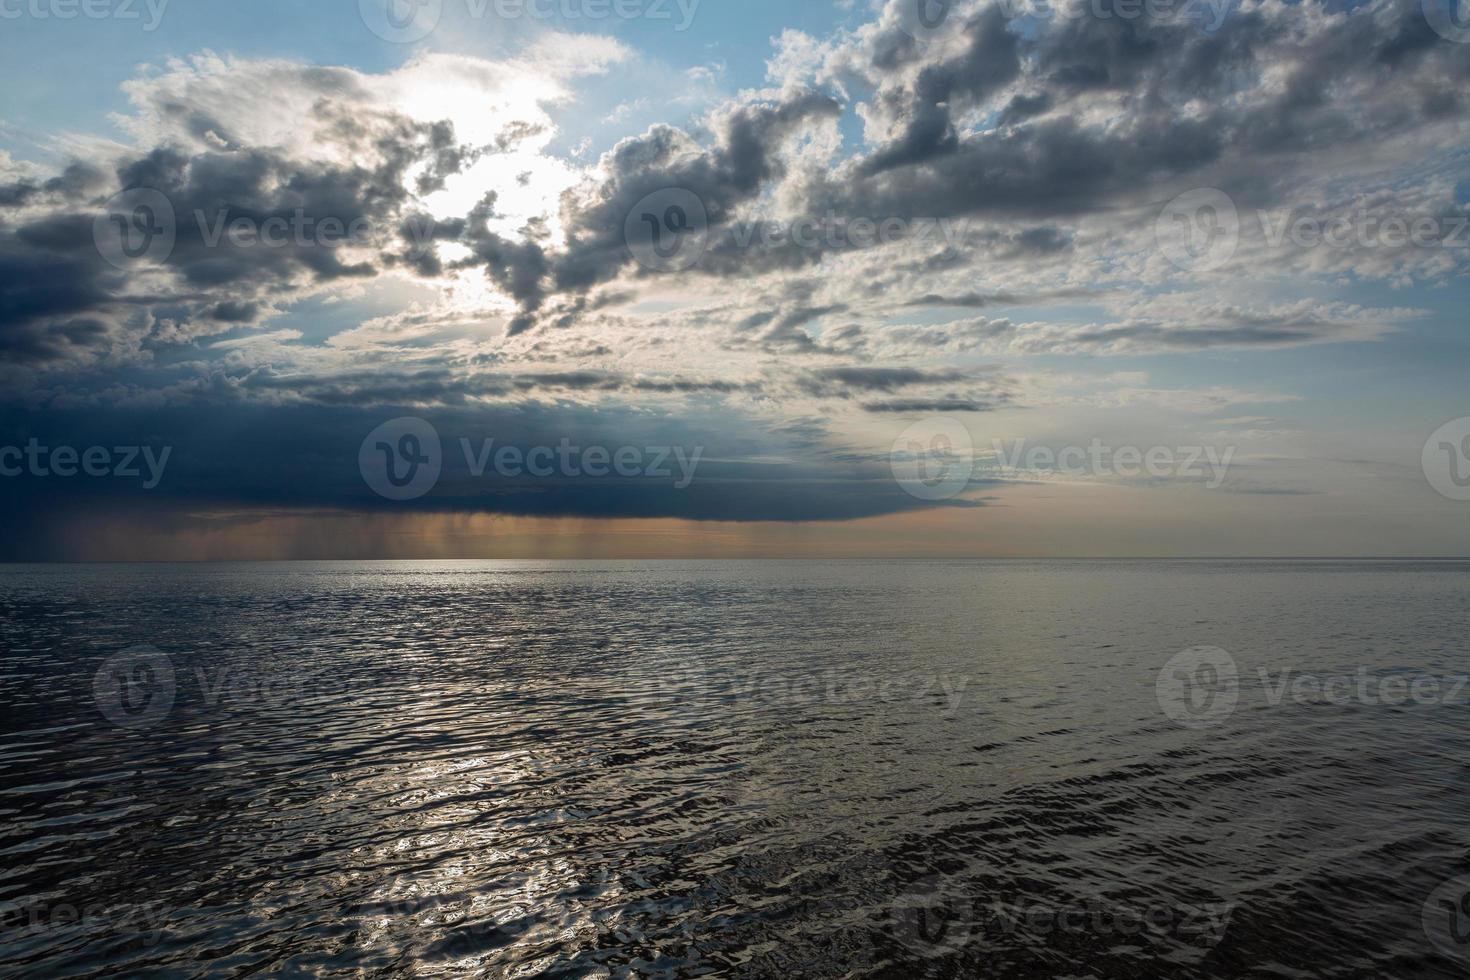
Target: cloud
{"points": [[306, 456], [1026, 153], [1062, 122], [927, 407]]}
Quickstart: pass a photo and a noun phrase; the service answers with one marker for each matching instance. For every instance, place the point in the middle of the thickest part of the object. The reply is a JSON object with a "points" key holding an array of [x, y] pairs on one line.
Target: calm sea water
{"points": [[1007, 769]]}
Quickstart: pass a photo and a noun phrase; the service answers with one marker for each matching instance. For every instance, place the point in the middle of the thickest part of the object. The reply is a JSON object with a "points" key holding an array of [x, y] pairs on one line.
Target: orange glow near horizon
{"points": [[1021, 521]]}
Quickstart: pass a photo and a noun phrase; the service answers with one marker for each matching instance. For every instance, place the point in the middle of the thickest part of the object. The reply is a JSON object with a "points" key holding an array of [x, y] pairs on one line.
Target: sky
{"points": [[692, 278]]}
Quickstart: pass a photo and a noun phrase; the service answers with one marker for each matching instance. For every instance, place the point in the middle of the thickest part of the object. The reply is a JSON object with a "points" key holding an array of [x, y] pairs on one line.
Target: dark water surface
{"points": [[999, 769]]}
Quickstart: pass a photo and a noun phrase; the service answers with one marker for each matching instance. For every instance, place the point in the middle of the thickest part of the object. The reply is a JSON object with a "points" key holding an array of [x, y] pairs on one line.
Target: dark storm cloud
{"points": [[925, 407], [75, 181], [979, 301], [990, 60], [973, 301], [690, 387], [741, 162], [1157, 335], [1182, 101], [1191, 99], [55, 305], [1032, 127], [881, 379], [228, 455], [1229, 327], [1185, 101], [450, 386], [61, 301]]}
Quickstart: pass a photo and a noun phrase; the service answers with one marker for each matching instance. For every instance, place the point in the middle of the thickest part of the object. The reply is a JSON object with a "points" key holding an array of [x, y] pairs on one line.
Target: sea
{"points": [[1003, 768]]}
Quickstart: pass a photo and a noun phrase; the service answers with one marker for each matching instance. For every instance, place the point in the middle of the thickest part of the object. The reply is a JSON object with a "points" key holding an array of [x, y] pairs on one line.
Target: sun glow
{"points": [[527, 185]]}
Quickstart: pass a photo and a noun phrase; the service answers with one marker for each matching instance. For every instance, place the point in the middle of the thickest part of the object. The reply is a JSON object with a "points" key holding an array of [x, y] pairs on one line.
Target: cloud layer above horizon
{"points": [[900, 223]]}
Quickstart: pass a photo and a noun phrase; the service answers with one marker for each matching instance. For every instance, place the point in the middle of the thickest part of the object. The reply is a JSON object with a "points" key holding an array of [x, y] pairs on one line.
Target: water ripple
{"points": [[745, 769]]}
